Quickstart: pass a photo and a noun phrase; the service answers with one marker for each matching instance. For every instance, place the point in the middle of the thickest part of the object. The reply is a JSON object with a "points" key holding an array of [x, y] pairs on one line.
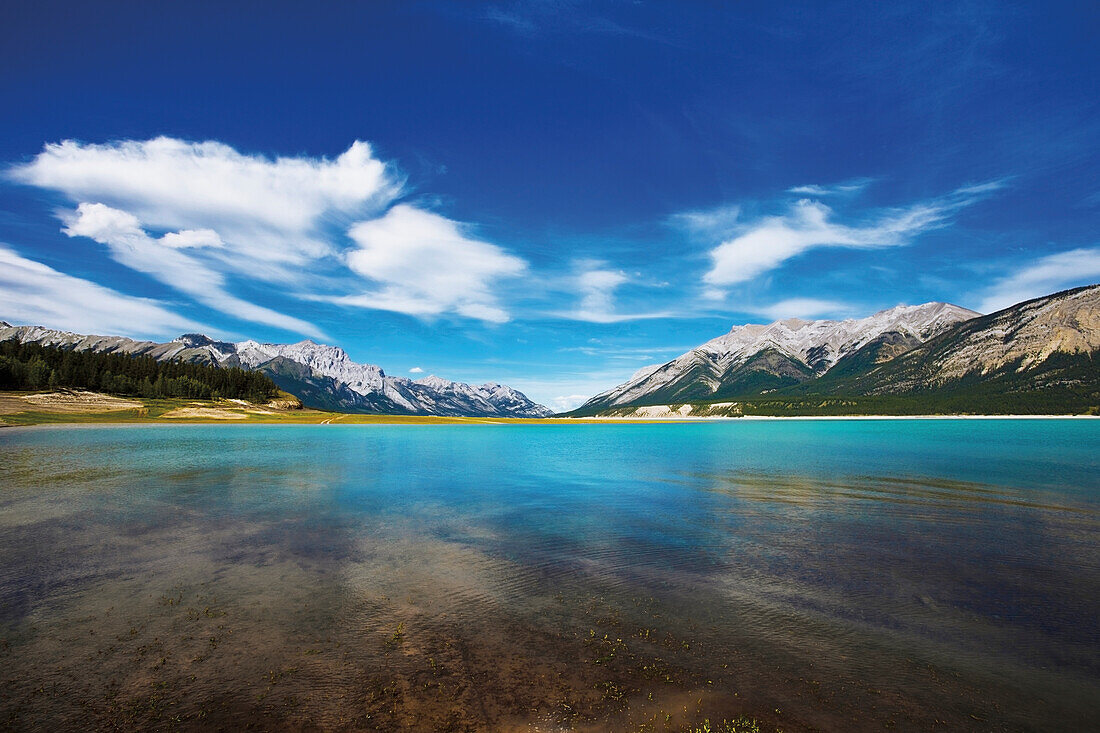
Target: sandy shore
{"points": [[753, 418], [77, 407]]}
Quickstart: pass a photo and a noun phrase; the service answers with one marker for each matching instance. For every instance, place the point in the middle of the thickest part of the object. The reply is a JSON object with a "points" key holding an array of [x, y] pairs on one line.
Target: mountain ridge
{"points": [[793, 349], [321, 375], [1044, 351]]}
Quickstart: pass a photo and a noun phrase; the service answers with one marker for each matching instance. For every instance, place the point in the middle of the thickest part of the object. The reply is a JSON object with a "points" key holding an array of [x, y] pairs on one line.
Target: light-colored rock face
{"points": [[715, 409], [1030, 333], [488, 399], [190, 347], [819, 345], [331, 361], [834, 339], [431, 395]]}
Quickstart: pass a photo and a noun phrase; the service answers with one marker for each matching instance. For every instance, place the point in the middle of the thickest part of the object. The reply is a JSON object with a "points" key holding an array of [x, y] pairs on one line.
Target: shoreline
{"points": [[835, 417], [357, 420], [29, 409]]}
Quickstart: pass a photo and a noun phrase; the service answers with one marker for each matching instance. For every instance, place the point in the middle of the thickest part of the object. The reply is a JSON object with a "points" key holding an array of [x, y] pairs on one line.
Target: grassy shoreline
{"points": [[17, 411]]}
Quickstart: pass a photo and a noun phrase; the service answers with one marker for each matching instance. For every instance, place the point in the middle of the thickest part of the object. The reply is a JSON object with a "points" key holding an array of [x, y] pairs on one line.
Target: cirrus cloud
{"points": [[765, 244], [1044, 276], [131, 246], [596, 284], [35, 294], [800, 308]]}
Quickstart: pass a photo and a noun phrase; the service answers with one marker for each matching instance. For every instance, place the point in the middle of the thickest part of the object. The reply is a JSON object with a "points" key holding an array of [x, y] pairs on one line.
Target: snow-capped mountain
{"points": [[320, 375], [755, 357]]}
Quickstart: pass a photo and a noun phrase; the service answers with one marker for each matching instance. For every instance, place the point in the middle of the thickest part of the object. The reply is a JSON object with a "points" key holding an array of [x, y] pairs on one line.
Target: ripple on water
{"points": [[580, 578]]}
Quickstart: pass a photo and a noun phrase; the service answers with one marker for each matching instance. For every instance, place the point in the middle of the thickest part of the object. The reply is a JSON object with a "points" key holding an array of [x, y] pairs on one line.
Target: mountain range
{"points": [[1042, 355], [1034, 356], [320, 376]]}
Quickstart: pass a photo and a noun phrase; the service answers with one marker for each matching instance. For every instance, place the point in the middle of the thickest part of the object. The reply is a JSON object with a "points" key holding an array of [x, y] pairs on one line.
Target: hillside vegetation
{"points": [[31, 366]]}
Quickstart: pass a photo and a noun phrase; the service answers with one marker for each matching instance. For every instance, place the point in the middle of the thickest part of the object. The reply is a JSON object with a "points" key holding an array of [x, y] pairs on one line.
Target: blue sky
{"points": [[547, 194]]}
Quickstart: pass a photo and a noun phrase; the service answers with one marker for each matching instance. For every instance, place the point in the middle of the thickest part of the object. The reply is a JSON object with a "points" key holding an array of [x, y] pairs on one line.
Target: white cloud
{"points": [[266, 209], [512, 20], [771, 241], [710, 222], [34, 294], [1045, 276], [713, 294], [565, 403], [424, 265], [197, 215], [597, 287], [188, 238], [800, 308], [836, 189], [596, 284], [565, 389], [129, 245], [416, 370]]}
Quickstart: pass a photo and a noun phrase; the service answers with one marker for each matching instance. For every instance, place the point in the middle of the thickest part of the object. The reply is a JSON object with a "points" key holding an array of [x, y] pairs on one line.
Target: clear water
{"points": [[829, 575]]}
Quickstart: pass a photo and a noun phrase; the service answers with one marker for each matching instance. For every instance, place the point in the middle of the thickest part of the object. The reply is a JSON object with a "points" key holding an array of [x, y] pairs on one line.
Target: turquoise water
{"points": [[836, 575]]}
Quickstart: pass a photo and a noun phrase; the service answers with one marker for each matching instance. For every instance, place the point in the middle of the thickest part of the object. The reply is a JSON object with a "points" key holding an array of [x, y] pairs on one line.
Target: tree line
{"points": [[34, 366]]}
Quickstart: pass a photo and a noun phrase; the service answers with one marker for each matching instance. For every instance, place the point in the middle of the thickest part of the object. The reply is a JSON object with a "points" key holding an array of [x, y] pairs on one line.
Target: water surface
{"points": [[828, 575]]}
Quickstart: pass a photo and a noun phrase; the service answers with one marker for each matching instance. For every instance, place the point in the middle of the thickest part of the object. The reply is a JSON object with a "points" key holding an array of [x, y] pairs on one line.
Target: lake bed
{"points": [[831, 575]]}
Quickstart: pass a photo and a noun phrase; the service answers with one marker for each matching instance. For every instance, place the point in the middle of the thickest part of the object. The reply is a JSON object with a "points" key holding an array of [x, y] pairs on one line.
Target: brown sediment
{"points": [[276, 650], [195, 663], [208, 413], [192, 617], [67, 401]]}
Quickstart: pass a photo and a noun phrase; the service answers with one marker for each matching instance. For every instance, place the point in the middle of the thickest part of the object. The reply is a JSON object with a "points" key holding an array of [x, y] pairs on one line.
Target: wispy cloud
{"points": [[835, 189], [627, 353], [597, 287], [131, 246], [528, 17], [801, 308], [424, 264], [285, 221], [595, 284], [509, 18], [767, 243], [707, 222], [416, 370], [35, 294], [565, 403], [1046, 275], [566, 389]]}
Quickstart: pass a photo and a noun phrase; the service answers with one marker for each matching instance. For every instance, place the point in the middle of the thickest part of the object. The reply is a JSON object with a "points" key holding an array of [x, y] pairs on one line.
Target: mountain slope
{"points": [[755, 358], [1036, 345], [1040, 356], [321, 376]]}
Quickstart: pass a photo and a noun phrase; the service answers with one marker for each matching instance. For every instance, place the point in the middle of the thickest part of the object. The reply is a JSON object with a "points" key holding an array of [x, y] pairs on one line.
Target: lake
{"points": [[813, 575]]}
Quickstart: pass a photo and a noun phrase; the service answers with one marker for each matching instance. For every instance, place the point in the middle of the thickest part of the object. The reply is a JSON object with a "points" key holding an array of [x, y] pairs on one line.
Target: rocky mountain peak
{"points": [[792, 349], [434, 382], [322, 375], [199, 340]]}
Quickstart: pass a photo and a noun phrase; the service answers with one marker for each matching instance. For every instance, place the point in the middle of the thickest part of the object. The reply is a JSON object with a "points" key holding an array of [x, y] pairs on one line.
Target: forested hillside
{"points": [[33, 366]]}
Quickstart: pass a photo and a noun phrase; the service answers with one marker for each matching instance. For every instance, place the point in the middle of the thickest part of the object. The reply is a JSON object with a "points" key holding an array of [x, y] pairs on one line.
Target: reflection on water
{"points": [[833, 575]]}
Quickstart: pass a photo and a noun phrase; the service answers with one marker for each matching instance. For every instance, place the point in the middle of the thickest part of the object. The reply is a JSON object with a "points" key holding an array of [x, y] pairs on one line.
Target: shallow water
{"points": [[838, 575]]}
